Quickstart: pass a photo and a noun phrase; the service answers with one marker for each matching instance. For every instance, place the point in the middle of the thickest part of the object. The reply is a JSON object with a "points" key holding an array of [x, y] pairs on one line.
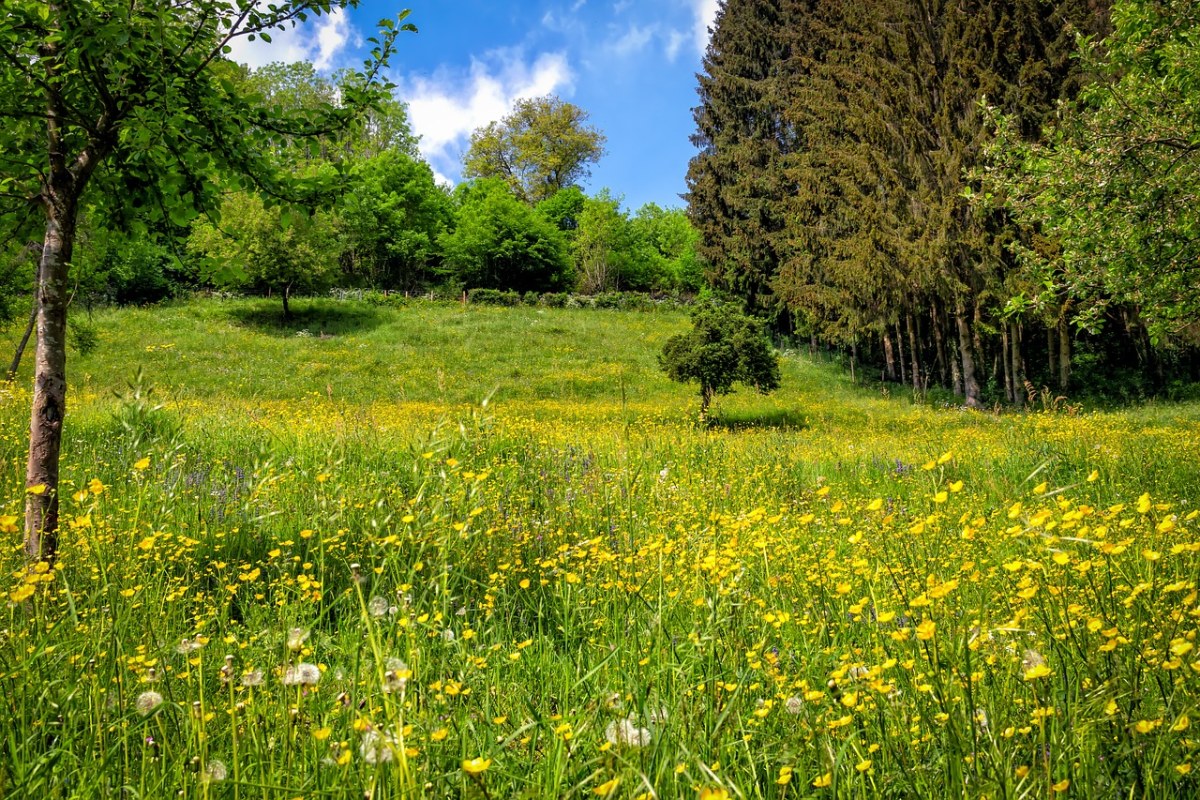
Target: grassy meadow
{"points": [[447, 551]]}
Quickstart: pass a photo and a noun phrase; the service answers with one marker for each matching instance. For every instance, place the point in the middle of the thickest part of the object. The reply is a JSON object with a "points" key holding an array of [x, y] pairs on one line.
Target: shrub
{"points": [[724, 347], [493, 297]]}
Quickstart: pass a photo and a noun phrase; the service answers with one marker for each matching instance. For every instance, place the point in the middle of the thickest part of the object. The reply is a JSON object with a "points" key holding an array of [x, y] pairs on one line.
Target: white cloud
{"points": [[633, 41], [333, 32], [445, 108], [706, 14], [320, 41], [675, 42]]}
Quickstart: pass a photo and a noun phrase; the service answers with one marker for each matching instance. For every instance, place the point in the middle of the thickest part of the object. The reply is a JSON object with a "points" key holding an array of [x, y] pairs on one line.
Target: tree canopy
{"points": [[501, 243], [137, 99], [542, 146], [723, 348], [1111, 201], [831, 189]]}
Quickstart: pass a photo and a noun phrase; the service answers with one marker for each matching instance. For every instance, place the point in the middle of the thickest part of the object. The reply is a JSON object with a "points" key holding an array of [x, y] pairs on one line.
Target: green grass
{"points": [[826, 585]]}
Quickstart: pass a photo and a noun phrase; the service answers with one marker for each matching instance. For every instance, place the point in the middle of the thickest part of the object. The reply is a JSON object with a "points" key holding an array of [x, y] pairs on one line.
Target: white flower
{"points": [[214, 772], [793, 705], [188, 646], [376, 748], [252, 678], [147, 702], [448, 635], [377, 607], [296, 638], [624, 733], [302, 674], [1031, 659]]}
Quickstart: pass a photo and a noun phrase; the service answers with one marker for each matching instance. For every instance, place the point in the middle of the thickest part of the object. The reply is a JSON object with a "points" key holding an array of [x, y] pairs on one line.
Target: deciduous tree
{"points": [[724, 347], [501, 243], [543, 146], [137, 92]]}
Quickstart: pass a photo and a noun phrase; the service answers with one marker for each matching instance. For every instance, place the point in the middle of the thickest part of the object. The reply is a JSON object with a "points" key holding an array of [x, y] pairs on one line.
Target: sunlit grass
{"points": [[324, 567]]}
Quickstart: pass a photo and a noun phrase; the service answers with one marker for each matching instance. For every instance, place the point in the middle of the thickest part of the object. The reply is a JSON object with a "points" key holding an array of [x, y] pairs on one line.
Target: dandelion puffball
{"points": [[302, 674]]}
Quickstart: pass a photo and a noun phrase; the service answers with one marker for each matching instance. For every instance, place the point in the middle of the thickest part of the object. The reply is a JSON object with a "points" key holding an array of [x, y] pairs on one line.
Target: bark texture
{"points": [[50, 379]]}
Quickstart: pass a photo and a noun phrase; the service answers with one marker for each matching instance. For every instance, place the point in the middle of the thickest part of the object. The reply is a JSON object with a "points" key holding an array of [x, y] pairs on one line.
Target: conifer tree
{"points": [[834, 178], [736, 183]]}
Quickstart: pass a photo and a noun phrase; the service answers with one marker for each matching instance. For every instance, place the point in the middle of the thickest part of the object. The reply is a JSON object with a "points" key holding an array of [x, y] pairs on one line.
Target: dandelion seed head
{"points": [[147, 702], [302, 674], [215, 771], [395, 676], [376, 748], [624, 733], [296, 638], [1031, 659]]}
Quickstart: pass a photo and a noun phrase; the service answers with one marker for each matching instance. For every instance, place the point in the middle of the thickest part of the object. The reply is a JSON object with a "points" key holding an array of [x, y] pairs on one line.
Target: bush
{"points": [[553, 299], [724, 347], [493, 297], [500, 243], [611, 300]]}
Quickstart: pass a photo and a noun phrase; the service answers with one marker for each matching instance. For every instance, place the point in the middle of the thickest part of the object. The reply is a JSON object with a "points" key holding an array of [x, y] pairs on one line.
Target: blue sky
{"points": [[630, 64]]}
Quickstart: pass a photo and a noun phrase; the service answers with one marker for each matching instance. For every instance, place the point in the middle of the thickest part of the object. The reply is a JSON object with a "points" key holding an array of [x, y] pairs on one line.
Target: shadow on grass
{"points": [[778, 419], [314, 317]]}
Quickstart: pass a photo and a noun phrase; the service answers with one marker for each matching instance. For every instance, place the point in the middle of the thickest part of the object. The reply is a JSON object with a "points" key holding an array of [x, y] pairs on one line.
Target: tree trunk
{"points": [[939, 347], [1051, 349], [977, 345], [889, 356], [970, 383], [913, 353], [1018, 366], [900, 353], [16, 361], [50, 378], [1064, 350], [1009, 392], [287, 311]]}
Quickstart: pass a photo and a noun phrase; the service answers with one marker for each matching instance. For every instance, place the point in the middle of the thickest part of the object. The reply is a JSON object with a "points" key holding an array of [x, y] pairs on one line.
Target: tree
{"points": [[670, 242], [501, 243], [298, 90], [138, 95], [563, 209], [262, 247], [724, 347], [542, 146], [836, 139], [736, 183], [391, 220], [608, 255], [1113, 195]]}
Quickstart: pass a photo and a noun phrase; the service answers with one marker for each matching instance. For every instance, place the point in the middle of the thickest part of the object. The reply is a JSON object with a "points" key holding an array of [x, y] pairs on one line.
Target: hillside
{"points": [[320, 536]]}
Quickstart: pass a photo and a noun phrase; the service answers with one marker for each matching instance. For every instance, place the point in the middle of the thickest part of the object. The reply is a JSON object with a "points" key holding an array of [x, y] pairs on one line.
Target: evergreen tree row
{"points": [[836, 186]]}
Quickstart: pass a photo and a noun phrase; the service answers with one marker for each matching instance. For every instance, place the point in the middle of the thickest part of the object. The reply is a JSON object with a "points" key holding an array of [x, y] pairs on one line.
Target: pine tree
{"points": [[735, 183], [878, 119]]}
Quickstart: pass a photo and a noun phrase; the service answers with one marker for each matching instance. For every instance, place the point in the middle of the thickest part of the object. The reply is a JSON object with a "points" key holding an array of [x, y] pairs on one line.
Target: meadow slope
{"points": [[460, 551]]}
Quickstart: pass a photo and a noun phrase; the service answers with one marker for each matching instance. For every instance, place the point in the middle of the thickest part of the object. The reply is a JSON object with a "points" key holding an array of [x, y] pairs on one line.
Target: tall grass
{"points": [[575, 590]]}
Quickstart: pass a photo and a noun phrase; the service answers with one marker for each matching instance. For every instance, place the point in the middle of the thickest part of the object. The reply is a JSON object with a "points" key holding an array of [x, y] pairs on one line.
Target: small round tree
{"points": [[724, 347]]}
